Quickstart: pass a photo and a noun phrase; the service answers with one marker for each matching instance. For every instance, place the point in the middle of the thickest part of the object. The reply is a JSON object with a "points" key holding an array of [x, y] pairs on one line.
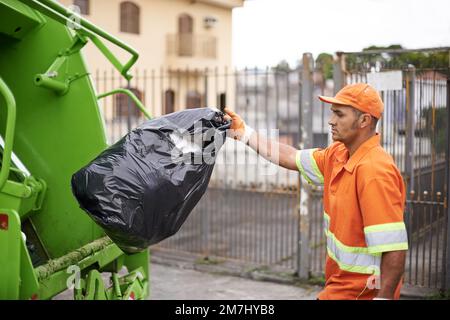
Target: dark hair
{"points": [[358, 113]]}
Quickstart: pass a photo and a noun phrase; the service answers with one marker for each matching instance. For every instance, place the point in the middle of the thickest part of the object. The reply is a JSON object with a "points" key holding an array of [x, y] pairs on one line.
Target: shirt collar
{"points": [[362, 150]]}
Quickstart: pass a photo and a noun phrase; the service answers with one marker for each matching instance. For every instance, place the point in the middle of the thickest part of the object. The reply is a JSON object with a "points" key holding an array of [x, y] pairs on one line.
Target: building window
{"points": [[169, 101], [125, 107], [83, 5], [129, 17], [193, 99], [185, 34]]}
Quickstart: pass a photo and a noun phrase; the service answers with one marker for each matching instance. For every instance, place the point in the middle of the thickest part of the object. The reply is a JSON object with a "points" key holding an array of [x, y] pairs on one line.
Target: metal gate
{"points": [[249, 212]]}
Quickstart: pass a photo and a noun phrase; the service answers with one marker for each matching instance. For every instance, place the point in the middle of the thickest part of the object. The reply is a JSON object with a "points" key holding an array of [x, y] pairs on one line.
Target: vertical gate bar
{"points": [[267, 197], [405, 121], [121, 109], [287, 203], [306, 143], [221, 214], [421, 92], [393, 124], [255, 194], [110, 81], [322, 237], [234, 75], [299, 180], [248, 178], [433, 134], [117, 115], [105, 109], [430, 217], [438, 230], [410, 234], [152, 80], [278, 194], [382, 131], [161, 90], [288, 118], [409, 151], [229, 217], [133, 114], [221, 83], [207, 237], [134, 111], [295, 182], [417, 225], [312, 237], [277, 108], [145, 92], [339, 71], [272, 228], [234, 192], [395, 138], [246, 153], [410, 127], [447, 195], [423, 229], [241, 188], [177, 99], [218, 215], [322, 104], [433, 199]]}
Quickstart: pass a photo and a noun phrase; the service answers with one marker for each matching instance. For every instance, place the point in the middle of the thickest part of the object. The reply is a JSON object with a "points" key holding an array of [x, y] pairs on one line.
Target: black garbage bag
{"points": [[141, 189]]}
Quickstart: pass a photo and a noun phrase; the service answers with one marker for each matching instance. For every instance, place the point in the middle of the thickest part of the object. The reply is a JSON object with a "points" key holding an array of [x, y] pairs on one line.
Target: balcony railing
{"points": [[192, 45]]}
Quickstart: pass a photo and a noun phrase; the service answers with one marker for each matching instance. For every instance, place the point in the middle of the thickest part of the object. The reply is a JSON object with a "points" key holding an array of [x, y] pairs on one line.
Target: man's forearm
{"points": [[273, 151], [392, 269]]}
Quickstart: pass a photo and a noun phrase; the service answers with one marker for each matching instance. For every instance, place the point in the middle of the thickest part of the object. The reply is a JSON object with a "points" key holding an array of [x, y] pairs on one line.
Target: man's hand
{"points": [[278, 153], [238, 130]]}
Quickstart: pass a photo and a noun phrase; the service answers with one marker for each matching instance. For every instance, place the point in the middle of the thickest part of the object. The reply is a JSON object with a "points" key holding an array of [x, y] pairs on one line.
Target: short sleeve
{"points": [[310, 163], [382, 206]]}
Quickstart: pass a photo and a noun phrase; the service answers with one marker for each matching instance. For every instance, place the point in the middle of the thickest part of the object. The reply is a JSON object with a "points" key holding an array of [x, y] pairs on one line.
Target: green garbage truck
{"points": [[51, 126]]}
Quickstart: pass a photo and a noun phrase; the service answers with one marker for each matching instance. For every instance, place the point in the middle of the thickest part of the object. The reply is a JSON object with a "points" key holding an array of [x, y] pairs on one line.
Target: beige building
{"points": [[179, 41]]}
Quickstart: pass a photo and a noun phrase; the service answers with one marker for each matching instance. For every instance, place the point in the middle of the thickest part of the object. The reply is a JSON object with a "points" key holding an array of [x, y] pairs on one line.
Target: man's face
{"points": [[344, 123]]}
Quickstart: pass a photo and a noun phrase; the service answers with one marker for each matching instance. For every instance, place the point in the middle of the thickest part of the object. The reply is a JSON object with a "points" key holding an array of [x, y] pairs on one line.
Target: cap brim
{"points": [[332, 100]]}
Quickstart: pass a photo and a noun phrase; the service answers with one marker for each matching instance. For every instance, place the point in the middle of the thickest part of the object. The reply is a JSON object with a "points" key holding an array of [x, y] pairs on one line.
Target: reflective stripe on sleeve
{"points": [[308, 167], [386, 237]]}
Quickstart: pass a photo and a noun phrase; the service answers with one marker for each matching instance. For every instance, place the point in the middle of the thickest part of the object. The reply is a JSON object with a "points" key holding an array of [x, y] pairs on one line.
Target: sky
{"points": [[268, 31]]}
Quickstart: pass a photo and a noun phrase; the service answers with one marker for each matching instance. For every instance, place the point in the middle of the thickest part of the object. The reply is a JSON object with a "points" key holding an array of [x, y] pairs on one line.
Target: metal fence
{"points": [[250, 211]]}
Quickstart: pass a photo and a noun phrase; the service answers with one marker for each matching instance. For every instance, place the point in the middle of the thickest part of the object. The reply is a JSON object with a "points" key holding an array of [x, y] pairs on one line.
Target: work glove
{"points": [[239, 130]]}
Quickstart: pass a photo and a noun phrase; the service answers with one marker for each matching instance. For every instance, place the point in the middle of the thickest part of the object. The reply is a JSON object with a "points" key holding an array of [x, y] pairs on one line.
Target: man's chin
{"points": [[335, 138]]}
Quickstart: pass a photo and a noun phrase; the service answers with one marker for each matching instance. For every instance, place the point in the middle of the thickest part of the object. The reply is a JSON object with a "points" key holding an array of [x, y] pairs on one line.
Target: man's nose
{"points": [[332, 122]]}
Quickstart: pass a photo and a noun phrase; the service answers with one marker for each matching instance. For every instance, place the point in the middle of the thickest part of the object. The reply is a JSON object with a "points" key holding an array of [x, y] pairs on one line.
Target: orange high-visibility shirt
{"points": [[364, 200]]}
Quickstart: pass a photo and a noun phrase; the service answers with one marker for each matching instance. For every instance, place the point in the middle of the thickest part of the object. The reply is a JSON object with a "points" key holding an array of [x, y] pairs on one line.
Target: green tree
{"points": [[436, 127], [282, 66], [324, 63], [396, 60]]}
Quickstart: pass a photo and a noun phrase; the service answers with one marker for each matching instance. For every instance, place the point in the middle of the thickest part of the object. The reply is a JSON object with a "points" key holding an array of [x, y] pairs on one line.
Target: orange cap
{"points": [[360, 96]]}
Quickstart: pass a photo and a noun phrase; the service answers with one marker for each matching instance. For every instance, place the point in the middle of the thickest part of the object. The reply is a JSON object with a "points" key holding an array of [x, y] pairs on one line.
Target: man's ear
{"points": [[366, 120]]}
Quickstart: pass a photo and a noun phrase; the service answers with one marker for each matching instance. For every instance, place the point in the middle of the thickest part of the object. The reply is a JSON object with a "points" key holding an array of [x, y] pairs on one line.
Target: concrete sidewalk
{"points": [[173, 283]]}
